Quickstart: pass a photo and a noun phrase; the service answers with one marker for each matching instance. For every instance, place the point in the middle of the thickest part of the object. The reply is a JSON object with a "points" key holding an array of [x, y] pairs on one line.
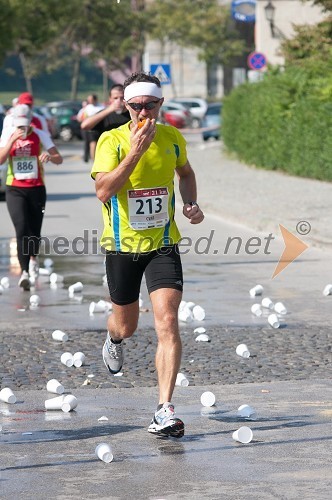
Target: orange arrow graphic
{"points": [[293, 248]]}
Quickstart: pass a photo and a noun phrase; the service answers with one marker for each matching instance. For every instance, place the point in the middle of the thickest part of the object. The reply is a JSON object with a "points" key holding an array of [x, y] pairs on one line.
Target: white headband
{"points": [[137, 89]]}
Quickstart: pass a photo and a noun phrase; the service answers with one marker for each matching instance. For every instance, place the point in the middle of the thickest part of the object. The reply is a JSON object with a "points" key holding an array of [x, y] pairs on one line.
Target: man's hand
{"points": [[193, 213]]}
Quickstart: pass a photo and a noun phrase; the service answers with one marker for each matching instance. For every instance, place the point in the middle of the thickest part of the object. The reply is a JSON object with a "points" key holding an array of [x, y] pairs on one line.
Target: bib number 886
{"points": [[23, 166]]}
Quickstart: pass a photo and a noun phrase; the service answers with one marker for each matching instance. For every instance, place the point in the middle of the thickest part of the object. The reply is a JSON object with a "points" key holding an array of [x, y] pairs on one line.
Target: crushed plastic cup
{"points": [[181, 380], [243, 351], [256, 290], [56, 278], [208, 398], [243, 435], [79, 359], [104, 452], [256, 309], [280, 308], [55, 387], [246, 411], [7, 396], [67, 359], [182, 305], [5, 282], [200, 329], [34, 300], [59, 335], [198, 313], [327, 290], [273, 320], [202, 337], [54, 403], [69, 403], [267, 303], [75, 287]]}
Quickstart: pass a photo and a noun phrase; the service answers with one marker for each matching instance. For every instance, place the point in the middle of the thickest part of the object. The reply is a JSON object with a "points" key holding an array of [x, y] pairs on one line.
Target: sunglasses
{"points": [[138, 107]]}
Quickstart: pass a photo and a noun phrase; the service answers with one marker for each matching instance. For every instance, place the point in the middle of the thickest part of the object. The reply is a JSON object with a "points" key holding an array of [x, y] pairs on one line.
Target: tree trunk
{"points": [[26, 72], [76, 75]]}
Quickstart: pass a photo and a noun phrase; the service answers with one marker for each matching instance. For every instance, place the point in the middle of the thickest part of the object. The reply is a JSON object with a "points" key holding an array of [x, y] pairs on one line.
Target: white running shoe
{"points": [[112, 355], [165, 424], [24, 281]]}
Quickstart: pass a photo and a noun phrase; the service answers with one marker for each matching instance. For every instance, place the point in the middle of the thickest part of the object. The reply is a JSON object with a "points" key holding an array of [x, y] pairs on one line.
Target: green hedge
{"points": [[282, 122]]}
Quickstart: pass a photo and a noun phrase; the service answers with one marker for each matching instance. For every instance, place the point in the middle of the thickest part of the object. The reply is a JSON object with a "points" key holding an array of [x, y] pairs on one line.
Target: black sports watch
{"points": [[193, 203]]}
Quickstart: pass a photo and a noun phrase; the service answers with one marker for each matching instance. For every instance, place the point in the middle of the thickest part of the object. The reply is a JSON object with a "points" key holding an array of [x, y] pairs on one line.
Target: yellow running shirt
{"points": [[140, 217]]}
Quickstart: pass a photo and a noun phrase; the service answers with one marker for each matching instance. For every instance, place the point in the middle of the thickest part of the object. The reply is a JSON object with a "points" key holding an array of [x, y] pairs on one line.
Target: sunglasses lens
{"points": [[138, 107]]}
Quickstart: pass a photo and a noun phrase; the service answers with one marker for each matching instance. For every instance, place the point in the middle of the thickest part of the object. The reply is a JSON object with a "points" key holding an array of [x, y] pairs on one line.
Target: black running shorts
{"points": [[162, 269]]}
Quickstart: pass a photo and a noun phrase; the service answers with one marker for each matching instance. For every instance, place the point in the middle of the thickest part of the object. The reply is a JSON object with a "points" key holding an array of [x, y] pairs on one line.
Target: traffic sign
{"points": [[256, 60], [161, 71]]}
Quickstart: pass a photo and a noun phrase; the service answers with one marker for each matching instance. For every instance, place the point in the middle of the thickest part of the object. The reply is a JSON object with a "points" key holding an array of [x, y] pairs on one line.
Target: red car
{"points": [[176, 114]]}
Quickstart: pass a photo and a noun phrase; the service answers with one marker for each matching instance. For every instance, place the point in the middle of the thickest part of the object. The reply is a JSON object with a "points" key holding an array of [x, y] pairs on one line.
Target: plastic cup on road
{"points": [[243, 435], [185, 315], [44, 271], [181, 380], [256, 290], [35, 300], [59, 335], [76, 287], [56, 278], [96, 307], [246, 411], [200, 329], [273, 320], [267, 303], [48, 262], [280, 308], [69, 403], [202, 337], [7, 395], [327, 290], [104, 452], [198, 313], [79, 359], [55, 387], [4, 282], [243, 351], [67, 359], [256, 309], [190, 305], [208, 398], [54, 403]]}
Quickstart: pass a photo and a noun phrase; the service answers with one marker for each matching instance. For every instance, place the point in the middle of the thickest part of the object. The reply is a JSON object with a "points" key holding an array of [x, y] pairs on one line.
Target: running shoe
{"points": [[112, 355], [33, 269], [24, 281], [165, 424]]}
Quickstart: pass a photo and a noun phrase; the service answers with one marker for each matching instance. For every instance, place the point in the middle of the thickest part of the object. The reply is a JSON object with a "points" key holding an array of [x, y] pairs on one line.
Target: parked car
{"points": [[176, 114], [196, 106], [65, 113], [211, 122], [50, 120]]}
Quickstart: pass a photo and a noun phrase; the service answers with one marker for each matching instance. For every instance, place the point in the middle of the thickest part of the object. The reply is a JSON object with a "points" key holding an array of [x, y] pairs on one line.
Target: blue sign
{"points": [[244, 10], [256, 60], [161, 71]]}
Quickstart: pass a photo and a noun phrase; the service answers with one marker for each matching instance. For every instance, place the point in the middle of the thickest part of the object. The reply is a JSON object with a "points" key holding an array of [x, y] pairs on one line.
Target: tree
{"points": [[6, 32]]}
